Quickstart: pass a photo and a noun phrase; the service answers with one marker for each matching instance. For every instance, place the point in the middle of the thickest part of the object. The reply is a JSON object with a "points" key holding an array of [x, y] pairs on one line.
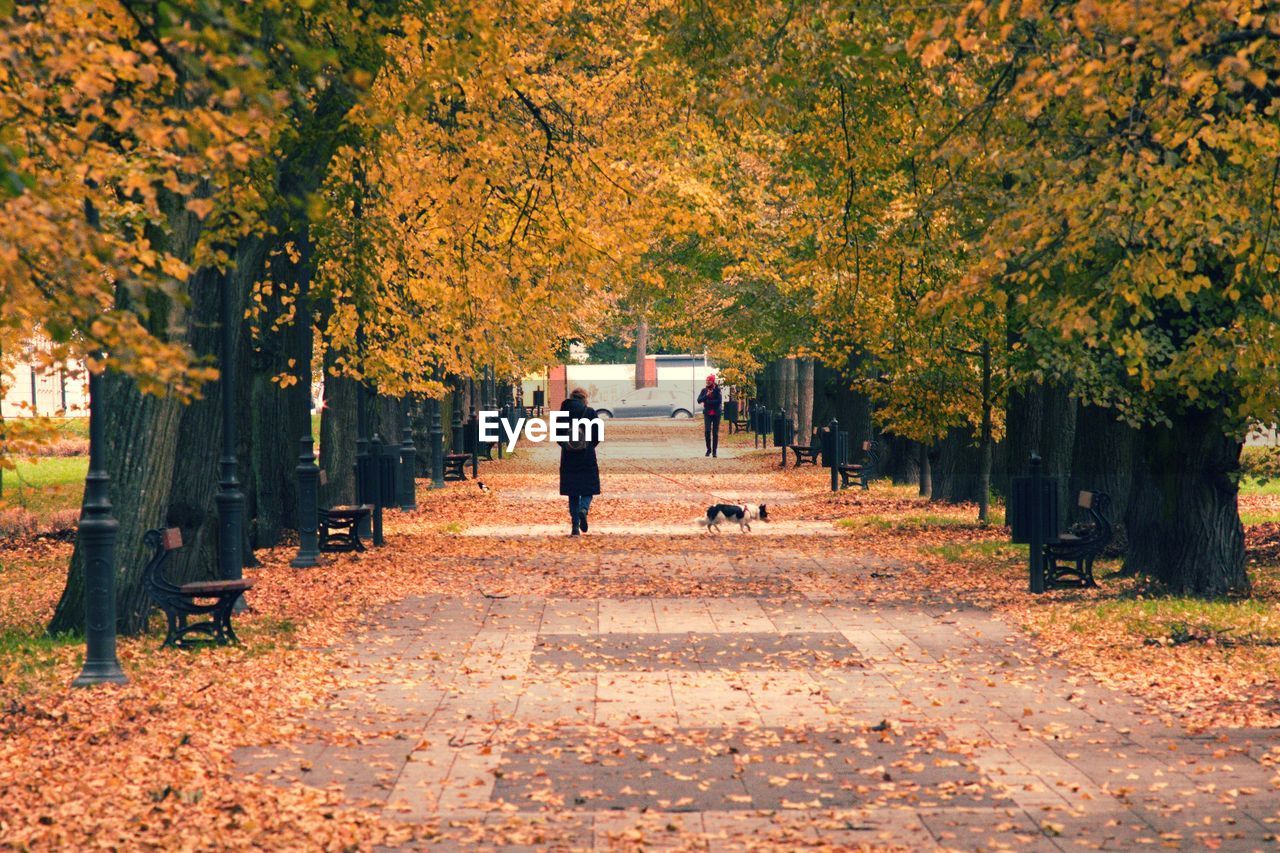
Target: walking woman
{"points": [[710, 399], [579, 471]]}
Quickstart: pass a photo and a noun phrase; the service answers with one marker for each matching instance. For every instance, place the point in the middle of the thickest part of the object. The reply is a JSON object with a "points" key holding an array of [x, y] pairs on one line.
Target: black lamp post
{"points": [[437, 446], [375, 485], [308, 506], [363, 473], [408, 469], [98, 532], [230, 499], [473, 426]]}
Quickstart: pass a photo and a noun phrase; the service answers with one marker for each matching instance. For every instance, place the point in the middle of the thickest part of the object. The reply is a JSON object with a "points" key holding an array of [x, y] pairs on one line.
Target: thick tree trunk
{"points": [[834, 397], [926, 471], [281, 416], [955, 470], [1041, 418], [804, 415], [142, 443], [642, 349], [195, 473], [388, 419], [793, 389], [142, 440], [1184, 521], [338, 439], [1103, 460], [790, 392], [900, 459]]}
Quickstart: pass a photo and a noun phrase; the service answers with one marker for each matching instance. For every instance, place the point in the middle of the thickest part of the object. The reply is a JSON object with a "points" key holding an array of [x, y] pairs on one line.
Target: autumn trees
{"points": [[1004, 225], [1040, 217]]}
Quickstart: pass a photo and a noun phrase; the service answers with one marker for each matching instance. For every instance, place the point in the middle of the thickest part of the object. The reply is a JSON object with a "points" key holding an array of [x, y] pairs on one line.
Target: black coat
{"points": [[579, 471]]}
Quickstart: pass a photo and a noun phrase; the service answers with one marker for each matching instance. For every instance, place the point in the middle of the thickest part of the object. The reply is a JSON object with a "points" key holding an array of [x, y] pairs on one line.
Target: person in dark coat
{"points": [[710, 398], [579, 471]]}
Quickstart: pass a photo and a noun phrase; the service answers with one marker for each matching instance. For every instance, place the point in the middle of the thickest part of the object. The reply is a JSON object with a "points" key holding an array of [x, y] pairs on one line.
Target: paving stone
{"points": [[655, 651]]}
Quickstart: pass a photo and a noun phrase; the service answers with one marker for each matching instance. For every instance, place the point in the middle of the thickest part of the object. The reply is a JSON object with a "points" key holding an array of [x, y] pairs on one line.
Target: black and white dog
{"points": [[742, 514]]}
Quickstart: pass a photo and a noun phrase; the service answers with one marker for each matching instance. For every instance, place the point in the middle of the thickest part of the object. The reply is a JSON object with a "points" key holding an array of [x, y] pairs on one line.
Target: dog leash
{"points": [[682, 485]]}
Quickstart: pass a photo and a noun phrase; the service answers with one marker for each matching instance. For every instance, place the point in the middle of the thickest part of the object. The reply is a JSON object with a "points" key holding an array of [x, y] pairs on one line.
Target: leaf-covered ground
{"points": [[153, 763]]}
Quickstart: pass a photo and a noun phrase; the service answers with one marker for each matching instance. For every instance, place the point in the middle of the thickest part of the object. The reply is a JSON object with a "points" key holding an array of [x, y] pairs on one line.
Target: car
{"points": [[648, 403]]}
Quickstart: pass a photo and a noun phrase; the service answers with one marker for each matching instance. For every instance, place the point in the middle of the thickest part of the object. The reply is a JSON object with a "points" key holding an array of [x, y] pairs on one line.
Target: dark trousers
{"points": [[711, 431], [579, 505]]}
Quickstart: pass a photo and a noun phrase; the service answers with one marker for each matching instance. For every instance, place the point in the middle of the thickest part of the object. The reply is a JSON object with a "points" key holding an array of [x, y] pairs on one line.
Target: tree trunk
{"points": [[1103, 460], [195, 473], [642, 349], [789, 396], [281, 416], [1184, 522], [338, 439], [141, 445], [955, 470], [1041, 418], [985, 437], [804, 414], [900, 459], [926, 472]]}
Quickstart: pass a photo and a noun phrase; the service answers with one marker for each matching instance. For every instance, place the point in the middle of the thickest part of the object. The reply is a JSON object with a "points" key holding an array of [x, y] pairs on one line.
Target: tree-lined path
{"points": [[651, 685]]}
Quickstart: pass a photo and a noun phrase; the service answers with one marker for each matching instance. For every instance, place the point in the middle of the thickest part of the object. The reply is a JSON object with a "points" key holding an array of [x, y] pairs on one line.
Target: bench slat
{"points": [[215, 587]]}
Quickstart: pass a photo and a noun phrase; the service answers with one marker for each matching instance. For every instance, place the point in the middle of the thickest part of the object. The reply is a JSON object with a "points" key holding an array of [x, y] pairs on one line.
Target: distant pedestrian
{"points": [[579, 471], [710, 397]]}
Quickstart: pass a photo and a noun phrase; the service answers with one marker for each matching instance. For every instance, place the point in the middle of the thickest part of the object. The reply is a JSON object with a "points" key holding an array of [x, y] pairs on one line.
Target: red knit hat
{"points": [[711, 376]]}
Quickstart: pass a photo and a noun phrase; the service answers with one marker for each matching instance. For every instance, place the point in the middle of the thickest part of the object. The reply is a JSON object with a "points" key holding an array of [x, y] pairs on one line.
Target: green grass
{"points": [[44, 486], [917, 520], [27, 657], [1251, 517], [1172, 616], [72, 427], [957, 551], [1252, 486]]}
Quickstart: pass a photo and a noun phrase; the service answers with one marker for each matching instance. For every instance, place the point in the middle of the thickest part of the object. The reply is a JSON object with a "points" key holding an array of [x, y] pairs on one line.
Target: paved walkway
{"points": [[743, 703]]}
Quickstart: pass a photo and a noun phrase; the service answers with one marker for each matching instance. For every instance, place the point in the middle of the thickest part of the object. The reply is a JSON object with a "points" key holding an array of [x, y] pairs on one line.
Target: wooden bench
{"points": [[807, 452], [455, 466], [864, 471], [340, 528], [1080, 546], [181, 602]]}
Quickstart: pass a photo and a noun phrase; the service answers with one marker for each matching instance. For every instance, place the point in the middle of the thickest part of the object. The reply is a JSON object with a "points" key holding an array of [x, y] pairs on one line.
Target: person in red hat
{"points": [[711, 398]]}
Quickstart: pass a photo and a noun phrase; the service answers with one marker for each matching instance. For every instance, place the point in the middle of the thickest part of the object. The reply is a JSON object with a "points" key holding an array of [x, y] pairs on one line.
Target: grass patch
{"points": [[453, 527], [915, 521], [1173, 617], [28, 658], [266, 634], [997, 549], [44, 486]]}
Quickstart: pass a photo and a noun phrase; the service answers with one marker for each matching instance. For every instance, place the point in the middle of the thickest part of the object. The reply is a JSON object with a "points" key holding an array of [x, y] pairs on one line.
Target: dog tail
{"points": [[703, 521]]}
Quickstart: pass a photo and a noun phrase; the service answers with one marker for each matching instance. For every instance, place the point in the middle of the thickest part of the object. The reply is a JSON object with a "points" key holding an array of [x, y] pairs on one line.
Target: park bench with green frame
{"points": [[181, 602], [455, 466], [865, 470], [340, 528], [1080, 546], [807, 453]]}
